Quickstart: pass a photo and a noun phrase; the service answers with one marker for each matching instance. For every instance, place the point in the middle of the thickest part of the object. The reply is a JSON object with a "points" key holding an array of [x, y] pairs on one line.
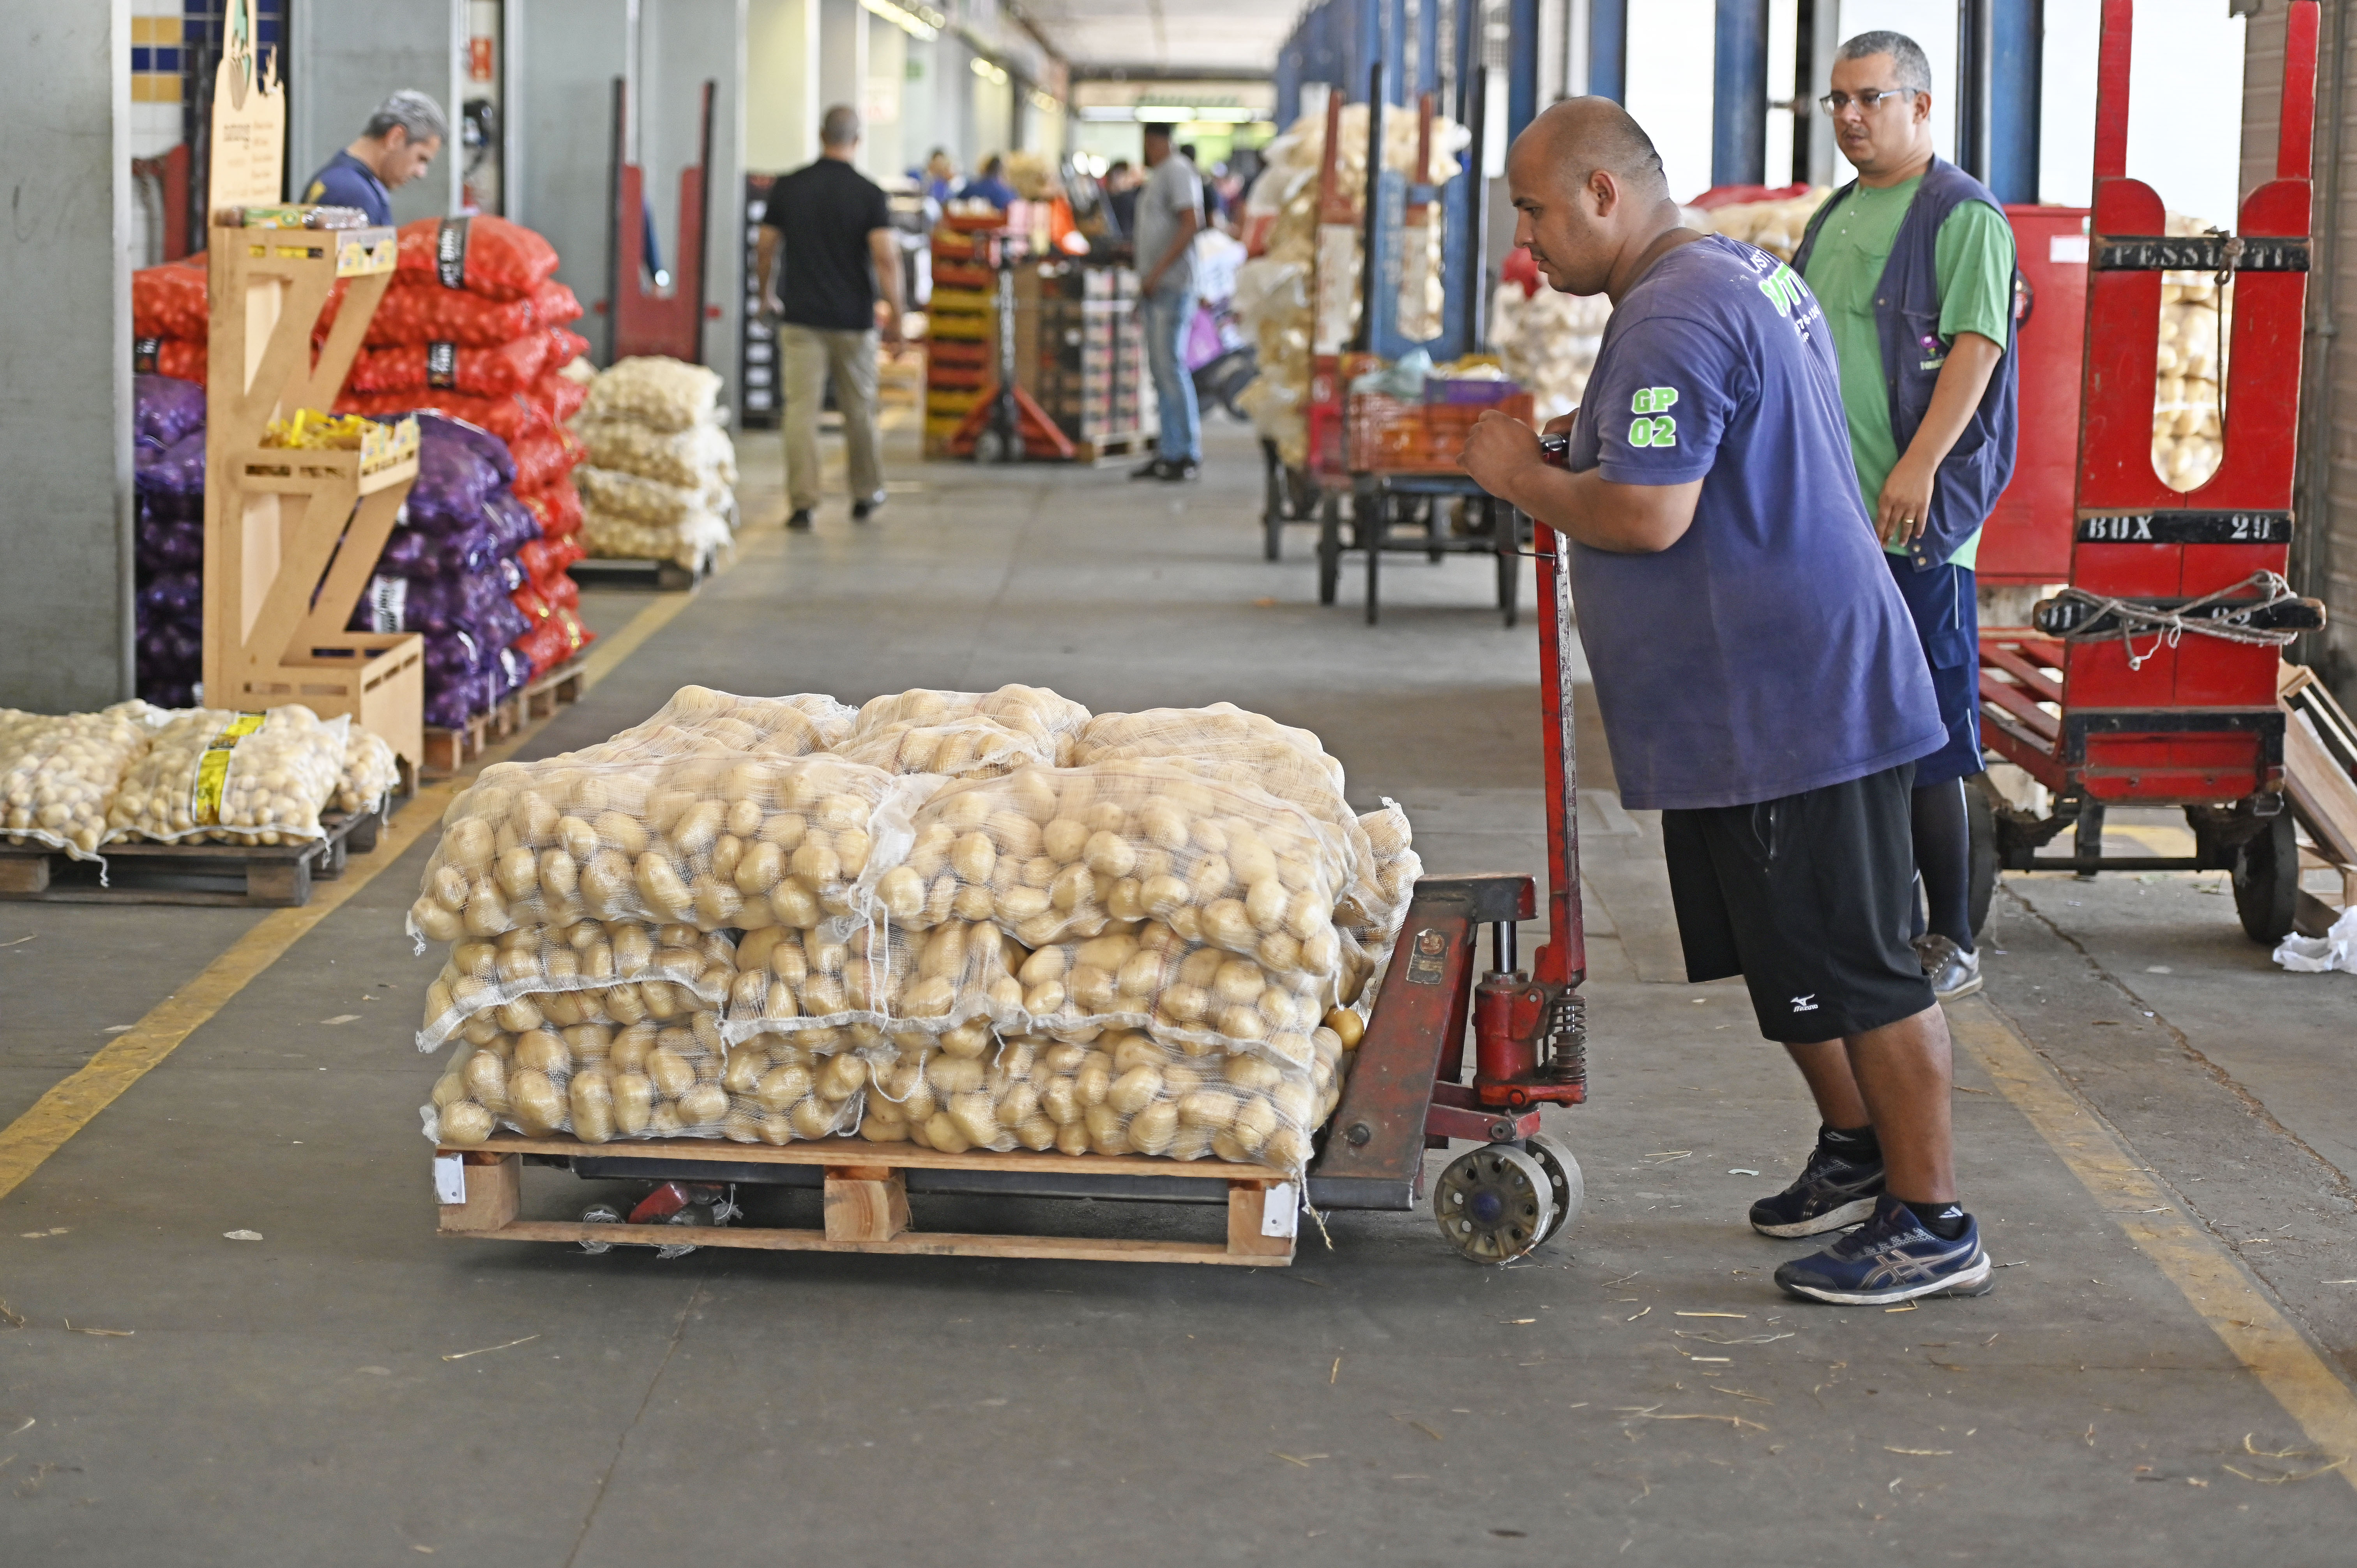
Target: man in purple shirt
{"points": [[1761, 681]]}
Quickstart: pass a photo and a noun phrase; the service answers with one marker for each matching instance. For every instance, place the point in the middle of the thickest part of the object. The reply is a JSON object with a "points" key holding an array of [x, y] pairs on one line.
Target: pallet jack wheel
{"points": [[1494, 1203], [1569, 1187], [989, 446], [2266, 880]]}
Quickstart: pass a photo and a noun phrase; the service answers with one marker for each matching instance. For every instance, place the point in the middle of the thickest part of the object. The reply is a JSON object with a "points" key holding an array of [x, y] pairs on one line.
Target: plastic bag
{"points": [[545, 559], [171, 301], [172, 544], [177, 472], [697, 459], [57, 775], [512, 524], [434, 429], [557, 394], [621, 971], [163, 410], [543, 456], [657, 393], [453, 482], [557, 505], [484, 255], [175, 357], [175, 596], [234, 778], [1114, 1092], [510, 367], [428, 313], [371, 772], [628, 497], [596, 1083], [690, 542], [510, 417], [710, 840]]}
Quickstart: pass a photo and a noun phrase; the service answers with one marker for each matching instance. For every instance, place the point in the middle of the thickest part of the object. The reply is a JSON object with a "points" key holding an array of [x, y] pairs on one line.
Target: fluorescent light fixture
{"points": [[987, 72], [1045, 103], [1190, 113], [1099, 113], [919, 22]]}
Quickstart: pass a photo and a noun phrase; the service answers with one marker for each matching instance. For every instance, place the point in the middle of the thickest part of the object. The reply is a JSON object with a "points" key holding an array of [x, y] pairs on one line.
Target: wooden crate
{"points": [[257, 876], [866, 1200]]}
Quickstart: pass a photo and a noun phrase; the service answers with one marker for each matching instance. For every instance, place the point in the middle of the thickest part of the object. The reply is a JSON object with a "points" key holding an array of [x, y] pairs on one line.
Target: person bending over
{"points": [[1759, 681]]}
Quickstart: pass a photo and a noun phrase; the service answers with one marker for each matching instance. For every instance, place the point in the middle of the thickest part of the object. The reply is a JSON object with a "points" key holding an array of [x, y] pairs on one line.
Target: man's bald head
{"points": [[1579, 136], [1590, 195]]}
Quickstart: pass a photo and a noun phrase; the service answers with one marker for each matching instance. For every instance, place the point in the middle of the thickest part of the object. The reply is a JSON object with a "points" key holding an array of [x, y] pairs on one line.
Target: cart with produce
{"points": [[990, 944], [2150, 680]]}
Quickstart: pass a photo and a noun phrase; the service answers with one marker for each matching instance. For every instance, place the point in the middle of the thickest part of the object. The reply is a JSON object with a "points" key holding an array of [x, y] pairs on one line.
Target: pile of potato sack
{"points": [[962, 920]]}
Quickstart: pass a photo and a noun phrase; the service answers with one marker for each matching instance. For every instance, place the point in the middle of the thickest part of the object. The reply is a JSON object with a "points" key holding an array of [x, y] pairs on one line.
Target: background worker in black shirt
{"points": [[834, 227]]}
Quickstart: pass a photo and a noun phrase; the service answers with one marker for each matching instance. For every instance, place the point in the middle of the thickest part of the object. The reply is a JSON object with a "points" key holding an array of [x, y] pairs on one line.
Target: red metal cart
{"points": [[2150, 680]]}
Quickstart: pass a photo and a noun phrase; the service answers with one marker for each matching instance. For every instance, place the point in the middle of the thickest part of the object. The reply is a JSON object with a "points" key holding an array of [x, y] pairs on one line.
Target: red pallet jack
{"points": [[2151, 679], [1005, 424], [1406, 1094]]}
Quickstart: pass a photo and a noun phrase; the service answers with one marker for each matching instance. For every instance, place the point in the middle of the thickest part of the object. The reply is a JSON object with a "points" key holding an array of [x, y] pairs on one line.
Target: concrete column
{"points": [[65, 356], [885, 104], [781, 73], [842, 63], [563, 58], [920, 129], [682, 44], [345, 57]]}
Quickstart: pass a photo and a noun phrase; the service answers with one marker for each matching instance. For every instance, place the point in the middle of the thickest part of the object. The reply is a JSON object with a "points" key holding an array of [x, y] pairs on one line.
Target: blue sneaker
{"points": [[1892, 1258], [1831, 1194]]}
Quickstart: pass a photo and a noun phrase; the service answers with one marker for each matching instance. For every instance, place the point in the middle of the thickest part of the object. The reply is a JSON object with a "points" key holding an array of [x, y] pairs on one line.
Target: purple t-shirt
{"points": [[1767, 652]]}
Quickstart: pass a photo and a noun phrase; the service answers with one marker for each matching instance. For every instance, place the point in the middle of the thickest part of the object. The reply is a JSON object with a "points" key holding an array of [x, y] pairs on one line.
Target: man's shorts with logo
{"points": [[1810, 898]]}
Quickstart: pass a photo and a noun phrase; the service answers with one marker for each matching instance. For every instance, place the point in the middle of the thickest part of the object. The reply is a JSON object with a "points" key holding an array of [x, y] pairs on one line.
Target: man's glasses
{"points": [[1867, 103]]}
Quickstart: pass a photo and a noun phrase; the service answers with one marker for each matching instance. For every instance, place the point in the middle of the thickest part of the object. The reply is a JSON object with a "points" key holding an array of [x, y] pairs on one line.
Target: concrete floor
{"points": [[294, 1402]]}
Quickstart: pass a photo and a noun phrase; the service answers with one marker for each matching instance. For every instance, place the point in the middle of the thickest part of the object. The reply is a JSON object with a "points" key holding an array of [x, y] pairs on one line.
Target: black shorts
{"points": [[1810, 898]]}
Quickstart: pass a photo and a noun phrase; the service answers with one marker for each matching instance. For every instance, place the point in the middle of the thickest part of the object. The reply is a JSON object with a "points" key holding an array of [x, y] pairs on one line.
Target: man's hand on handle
{"points": [[1500, 451]]}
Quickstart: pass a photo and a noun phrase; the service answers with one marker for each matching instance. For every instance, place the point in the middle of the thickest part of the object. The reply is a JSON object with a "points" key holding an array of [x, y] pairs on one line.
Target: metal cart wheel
{"points": [[989, 447], [1494, 1203], [1330, 549], [2266, 879], [600, 1214], [1980, 829], [1570, 1188]]}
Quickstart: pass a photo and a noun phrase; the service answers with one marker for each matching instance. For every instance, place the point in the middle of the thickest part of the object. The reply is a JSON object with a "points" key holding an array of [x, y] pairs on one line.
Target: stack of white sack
{"points": [[660, 480]]}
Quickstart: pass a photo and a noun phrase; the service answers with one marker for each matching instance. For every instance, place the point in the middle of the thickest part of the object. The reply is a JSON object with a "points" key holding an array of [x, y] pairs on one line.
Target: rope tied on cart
{"points": [[2168, 626]]}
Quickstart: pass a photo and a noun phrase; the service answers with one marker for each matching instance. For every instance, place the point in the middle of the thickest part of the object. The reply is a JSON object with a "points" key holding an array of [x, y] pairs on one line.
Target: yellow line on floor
{"points": [[70, 1105], [2213, 1283]]}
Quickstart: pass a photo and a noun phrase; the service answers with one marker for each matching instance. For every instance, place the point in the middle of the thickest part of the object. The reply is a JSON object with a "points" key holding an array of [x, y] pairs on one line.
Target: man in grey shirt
{"points": [[1169, 210]]}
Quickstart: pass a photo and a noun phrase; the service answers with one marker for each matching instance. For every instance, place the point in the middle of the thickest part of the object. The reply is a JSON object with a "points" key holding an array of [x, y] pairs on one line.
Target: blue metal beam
{"points": [[2016, 74], [1521, 66], [1608, 48], [1738, 134]]}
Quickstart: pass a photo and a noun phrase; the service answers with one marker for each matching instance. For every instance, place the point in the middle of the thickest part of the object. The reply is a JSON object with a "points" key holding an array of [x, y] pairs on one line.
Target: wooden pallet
{"points": [[662, 576], [1115, 448], [448, 750], [257, 876], [2320, 742], [866, 1200]]}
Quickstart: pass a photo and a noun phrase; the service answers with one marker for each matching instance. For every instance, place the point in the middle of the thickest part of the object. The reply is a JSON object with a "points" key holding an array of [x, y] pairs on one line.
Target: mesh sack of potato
{"points": [[369, 773], [699, 721], [628, 497], [59, 773], [853, 984], [645, 1080], [657, 393], [716, 841], [1051, 722], [695, 539], [235, 777], [1287, 762], [696, 459], [592, 972], [1106, 1092], [2189, 408]]}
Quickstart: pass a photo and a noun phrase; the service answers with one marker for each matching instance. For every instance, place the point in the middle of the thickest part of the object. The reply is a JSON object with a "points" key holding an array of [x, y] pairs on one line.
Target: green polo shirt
{"points": [[1974, 258]]}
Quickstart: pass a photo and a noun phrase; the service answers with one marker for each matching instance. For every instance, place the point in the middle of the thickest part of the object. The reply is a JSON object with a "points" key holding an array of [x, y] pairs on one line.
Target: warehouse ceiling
{"points": [[1158, 35]]}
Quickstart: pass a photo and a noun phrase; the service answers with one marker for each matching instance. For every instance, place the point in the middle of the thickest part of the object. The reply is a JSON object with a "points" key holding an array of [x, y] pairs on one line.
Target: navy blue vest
{"points": [[1907, 320]]}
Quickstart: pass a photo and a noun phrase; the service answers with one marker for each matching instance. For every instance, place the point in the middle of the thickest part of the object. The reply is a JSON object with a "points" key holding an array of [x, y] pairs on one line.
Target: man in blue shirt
{"points": [[396, 146], [990, 184], [1761, 681]]}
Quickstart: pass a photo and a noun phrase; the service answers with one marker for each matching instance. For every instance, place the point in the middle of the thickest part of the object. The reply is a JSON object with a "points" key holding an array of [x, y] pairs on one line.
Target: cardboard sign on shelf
{"points": [[291, 536]]}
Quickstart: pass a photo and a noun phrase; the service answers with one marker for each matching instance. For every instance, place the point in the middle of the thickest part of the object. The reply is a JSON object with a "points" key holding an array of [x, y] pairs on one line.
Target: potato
{"points": [[704, 1105], [464, 1124], [535, 1103]]}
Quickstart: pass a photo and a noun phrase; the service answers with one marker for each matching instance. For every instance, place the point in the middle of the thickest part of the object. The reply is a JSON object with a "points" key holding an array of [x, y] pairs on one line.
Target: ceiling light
{"points": [[919, 22]]}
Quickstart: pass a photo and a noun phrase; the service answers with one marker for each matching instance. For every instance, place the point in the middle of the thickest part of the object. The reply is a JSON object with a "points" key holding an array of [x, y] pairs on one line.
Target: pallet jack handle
{"points": [[1563, 960]]}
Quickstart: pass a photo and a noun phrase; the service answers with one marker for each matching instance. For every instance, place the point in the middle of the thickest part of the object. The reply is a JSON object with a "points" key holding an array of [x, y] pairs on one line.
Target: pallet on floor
{"points": [[1115, 448], [256, 876], [662, 576], [866, 1199], [448, 750]]}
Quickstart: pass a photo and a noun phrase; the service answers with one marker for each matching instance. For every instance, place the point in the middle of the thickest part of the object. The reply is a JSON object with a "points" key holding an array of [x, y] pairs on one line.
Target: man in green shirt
{"points": [[1914, 262]]}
